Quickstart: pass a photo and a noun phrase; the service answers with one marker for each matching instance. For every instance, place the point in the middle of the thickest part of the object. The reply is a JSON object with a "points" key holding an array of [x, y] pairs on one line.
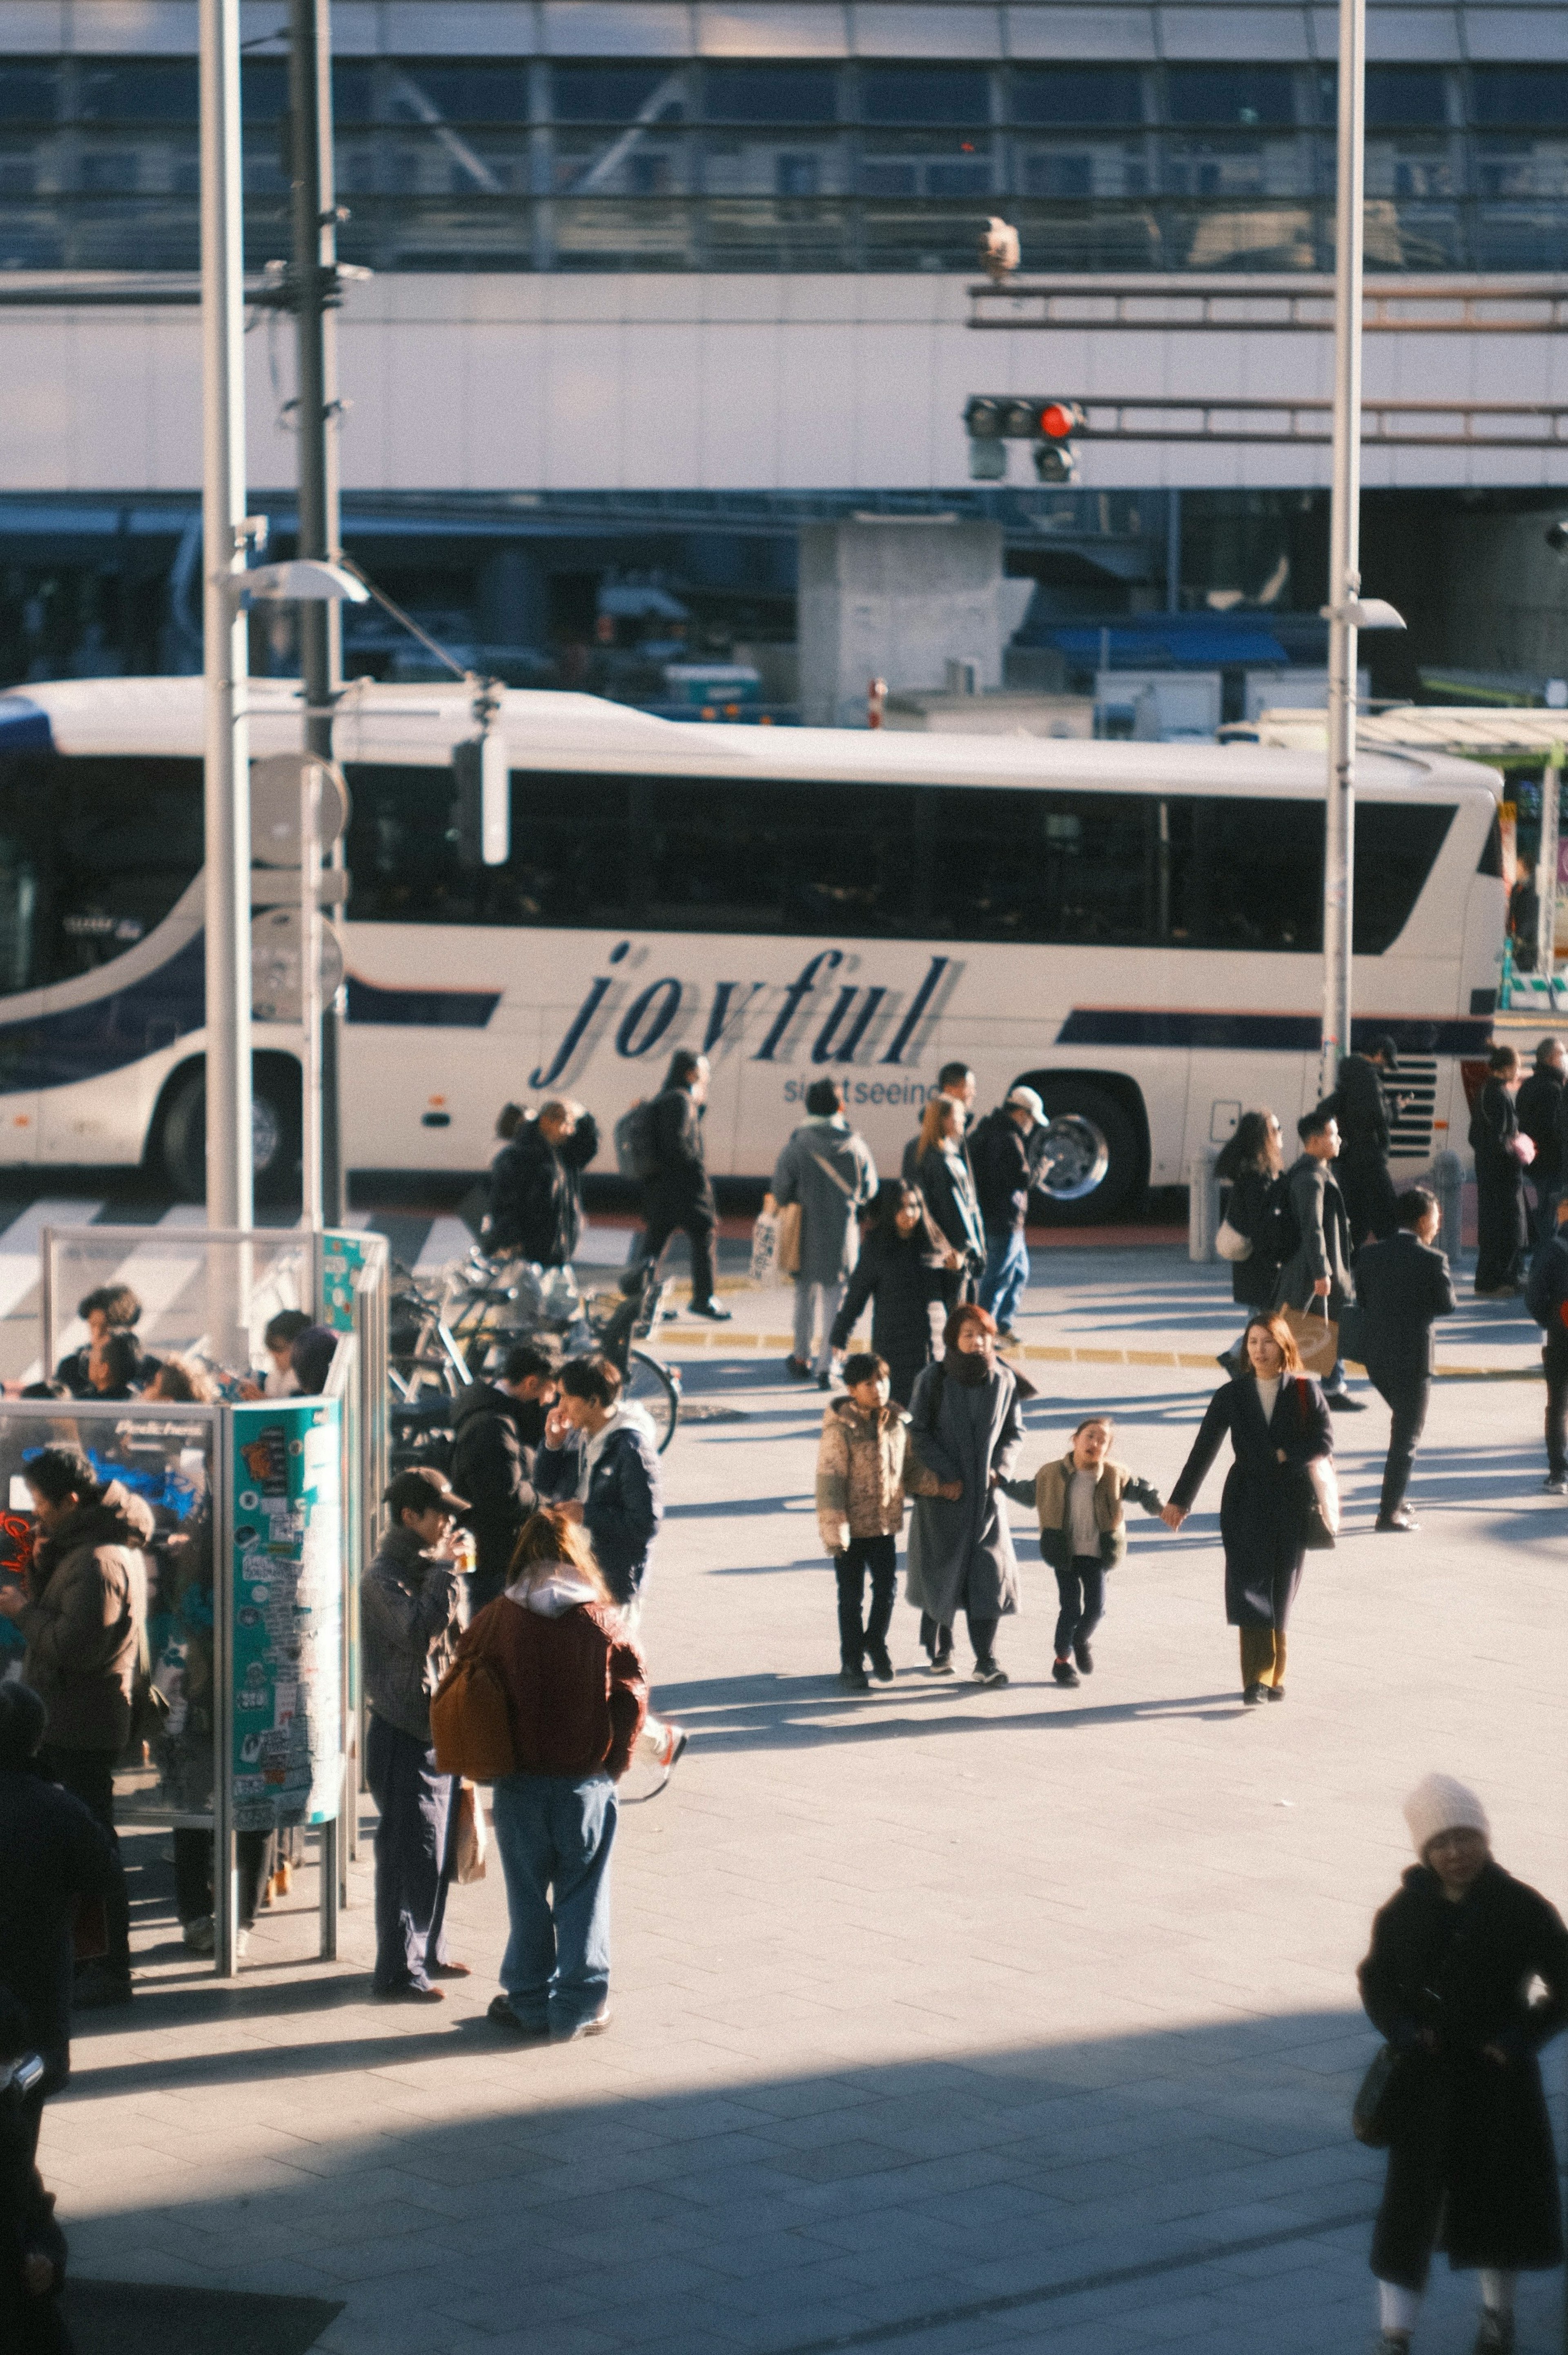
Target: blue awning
{"points": [[24, 727], [1173, 644]]}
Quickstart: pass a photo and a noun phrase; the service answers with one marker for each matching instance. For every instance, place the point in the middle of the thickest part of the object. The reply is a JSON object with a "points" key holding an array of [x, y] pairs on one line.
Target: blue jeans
{"points": [[413, 1866], [554, 1833], [1006, 1273]]}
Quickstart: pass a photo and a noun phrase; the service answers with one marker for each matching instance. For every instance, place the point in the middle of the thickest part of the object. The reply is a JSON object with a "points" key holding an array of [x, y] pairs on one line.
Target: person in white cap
{"points": [[1471, 2168], [1004, 1172]]}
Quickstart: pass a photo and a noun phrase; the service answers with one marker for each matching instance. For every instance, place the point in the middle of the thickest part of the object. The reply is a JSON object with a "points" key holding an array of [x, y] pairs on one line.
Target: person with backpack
{"points": [[1402, 1286], [663, 1139], [828, 1170], [1250, 1164], [537, 1186], [1314, 1239], [1080, 1501], [860, 1469], [966, 1429], [1005, 1176], [1547, 1299], [903, 1271], [410, 1610], [576, 1694], [1502, 1154]]}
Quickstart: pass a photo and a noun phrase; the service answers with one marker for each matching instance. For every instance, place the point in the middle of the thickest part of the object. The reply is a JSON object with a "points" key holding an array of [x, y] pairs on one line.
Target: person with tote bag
{"points": [[828, 1170], [1315, 1281], [1278, 1496]]}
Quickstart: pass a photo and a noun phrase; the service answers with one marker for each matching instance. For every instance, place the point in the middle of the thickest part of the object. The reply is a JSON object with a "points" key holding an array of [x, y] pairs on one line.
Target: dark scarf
{"points": [[967, 1366]]}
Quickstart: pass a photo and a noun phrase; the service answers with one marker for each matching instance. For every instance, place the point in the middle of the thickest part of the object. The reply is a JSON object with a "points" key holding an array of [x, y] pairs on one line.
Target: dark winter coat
{"points": [[1262, 1507], [960, 1550], [1539, 1109], [28, 2325], [944, 1178], [497, 1437], [536, 1194], [1401, 1285], [999, 1154], [903, 1278], [1548, 1287], [84, 1622], [680, 1182], [1362, 1111], [1494, 1125], [410, 1620], [1325, 1245], [55, 1853], [625, 1500], [1253, 1279], [1471, 2143]]}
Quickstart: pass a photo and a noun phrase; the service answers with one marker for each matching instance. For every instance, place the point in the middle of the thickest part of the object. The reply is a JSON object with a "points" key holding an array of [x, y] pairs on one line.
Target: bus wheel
{"points": [[1097, 1168], [275, 1133]]}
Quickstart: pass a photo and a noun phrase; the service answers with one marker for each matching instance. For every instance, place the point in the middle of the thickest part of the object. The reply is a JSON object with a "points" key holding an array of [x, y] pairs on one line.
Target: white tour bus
{"points": [[1133, 929]]}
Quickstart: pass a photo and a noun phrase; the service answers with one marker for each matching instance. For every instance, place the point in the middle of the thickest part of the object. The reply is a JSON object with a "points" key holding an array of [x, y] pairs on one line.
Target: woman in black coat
{"points": [[1471, 2168], [1277, 1422], [903, 1271]]}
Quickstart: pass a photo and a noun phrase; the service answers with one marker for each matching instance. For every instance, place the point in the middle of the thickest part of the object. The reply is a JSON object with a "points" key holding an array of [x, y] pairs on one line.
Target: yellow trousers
{"points": [[1263, 1656]]}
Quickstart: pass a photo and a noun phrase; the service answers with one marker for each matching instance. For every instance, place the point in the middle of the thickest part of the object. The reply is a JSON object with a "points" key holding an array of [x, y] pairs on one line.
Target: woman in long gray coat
{"points": [[829, 1170], [966, 1427]]}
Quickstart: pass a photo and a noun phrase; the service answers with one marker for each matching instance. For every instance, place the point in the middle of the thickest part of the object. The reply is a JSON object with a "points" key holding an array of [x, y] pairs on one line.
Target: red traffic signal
{"points": [[1058, 420]]}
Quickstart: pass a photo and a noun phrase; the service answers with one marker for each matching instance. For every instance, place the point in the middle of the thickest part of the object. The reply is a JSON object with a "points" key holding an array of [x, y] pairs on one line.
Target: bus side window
{"points": [[126, 842]]}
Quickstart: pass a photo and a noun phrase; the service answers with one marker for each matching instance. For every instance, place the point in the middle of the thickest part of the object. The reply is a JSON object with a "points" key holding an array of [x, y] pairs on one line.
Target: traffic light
{"points": [[992, 418]]}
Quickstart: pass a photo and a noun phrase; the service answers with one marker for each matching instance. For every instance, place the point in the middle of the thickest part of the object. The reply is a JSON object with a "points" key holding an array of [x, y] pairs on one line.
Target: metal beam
{"points": [[1400, 424], [1170, 301]]}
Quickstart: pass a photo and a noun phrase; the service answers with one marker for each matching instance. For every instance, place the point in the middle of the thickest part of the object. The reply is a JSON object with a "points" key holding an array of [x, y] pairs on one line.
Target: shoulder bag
{"points": [[1375, 2112], [1316, 1336], [471, 1723], [1231, 1243]]}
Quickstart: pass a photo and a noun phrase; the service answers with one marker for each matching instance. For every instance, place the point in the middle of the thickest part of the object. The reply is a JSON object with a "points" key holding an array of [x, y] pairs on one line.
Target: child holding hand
{"points": [[1083, 1533], [859, 1511]]}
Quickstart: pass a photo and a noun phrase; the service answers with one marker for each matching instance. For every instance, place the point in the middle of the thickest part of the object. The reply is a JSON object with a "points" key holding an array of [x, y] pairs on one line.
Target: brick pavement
{"points": [[946, 2020]]}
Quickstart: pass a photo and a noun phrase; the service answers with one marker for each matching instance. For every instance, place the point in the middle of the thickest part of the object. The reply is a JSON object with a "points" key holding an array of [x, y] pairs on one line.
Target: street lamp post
{"points": [[227, 780]]}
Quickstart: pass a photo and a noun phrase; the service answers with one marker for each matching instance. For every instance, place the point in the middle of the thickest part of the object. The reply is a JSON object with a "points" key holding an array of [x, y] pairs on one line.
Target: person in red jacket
{"points": [[577, 1694]]}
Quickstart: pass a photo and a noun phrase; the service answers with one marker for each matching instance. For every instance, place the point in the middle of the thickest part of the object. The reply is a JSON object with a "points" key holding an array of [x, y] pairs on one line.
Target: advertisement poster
{"points": [[288, 1614], [342, 1256]]}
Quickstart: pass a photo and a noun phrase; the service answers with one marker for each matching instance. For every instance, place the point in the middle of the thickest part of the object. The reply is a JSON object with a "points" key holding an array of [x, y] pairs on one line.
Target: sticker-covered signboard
{"points": [[288, 1613]]}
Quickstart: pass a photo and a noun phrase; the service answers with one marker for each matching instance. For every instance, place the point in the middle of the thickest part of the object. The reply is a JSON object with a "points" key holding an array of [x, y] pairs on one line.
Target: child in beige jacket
{"points": [[861, 1470]]}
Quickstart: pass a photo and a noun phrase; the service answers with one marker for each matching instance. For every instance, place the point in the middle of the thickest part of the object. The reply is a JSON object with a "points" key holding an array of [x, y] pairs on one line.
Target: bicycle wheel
{"points": [[649, 1384]]}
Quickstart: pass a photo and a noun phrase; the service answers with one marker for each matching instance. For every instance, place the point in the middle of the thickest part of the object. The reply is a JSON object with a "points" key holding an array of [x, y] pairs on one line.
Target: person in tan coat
{"points": [[1081, 1502], [862, 1467]]}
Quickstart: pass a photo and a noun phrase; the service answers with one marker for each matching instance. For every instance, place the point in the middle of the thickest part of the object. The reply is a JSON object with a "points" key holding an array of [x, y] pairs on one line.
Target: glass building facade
{"points": [[680, 161]]}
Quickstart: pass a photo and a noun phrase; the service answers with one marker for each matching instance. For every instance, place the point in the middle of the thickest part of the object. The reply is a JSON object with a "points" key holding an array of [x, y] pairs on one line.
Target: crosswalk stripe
{"points": [[448, 1240], [20, 1264]]}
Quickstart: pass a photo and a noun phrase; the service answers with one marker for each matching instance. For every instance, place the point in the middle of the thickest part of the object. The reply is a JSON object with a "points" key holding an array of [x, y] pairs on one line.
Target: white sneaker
{"points": [[199, 1935], [242, 1941]]}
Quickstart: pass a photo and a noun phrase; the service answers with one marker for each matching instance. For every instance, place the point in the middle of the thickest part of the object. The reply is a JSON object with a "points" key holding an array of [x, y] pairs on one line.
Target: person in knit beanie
{"points": [[1471, 2167]]}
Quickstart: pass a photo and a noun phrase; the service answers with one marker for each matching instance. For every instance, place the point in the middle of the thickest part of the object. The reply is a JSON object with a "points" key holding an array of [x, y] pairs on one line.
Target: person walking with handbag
{"points": [[409, 1614], [576, 1694], [946, 1179], [828, 1171], [1547, 1297], [1278, 1423], [966, 1429], [1081, 1502], [903, 1271], [1403, 1285], [1502, 1154], [1315, 1275], [1448, 1981], [1250, 1164]]}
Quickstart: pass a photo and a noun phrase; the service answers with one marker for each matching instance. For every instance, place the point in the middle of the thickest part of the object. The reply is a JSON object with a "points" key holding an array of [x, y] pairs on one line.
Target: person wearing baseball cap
{"points": [[1471, 2167], [1004, 1172], [409, 1613]]}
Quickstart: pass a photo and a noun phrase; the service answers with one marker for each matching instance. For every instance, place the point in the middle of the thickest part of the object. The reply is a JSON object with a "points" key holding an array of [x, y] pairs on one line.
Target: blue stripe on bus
{"points": [[24, 727], [423, 1009], [1127, 1026], [84, 1042]]}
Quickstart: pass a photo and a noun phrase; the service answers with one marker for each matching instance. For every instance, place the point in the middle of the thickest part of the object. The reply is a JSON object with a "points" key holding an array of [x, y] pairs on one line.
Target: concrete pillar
{"points": [[898, 599]]}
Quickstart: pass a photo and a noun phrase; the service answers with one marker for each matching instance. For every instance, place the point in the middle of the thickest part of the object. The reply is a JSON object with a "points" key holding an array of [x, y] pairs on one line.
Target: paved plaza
{"points": [[945, 2019]]}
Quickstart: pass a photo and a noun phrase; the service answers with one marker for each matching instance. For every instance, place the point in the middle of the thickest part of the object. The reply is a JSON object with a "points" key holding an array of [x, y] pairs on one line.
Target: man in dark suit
{"points": [[1539, 1108], [1403, 1285], [1362, 1173]]}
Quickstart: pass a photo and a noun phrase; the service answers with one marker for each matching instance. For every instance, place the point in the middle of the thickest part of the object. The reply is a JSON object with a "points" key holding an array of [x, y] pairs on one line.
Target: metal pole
{"points": [[1344, 547], [314, 273], [1546, 871], [227, 807]]}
